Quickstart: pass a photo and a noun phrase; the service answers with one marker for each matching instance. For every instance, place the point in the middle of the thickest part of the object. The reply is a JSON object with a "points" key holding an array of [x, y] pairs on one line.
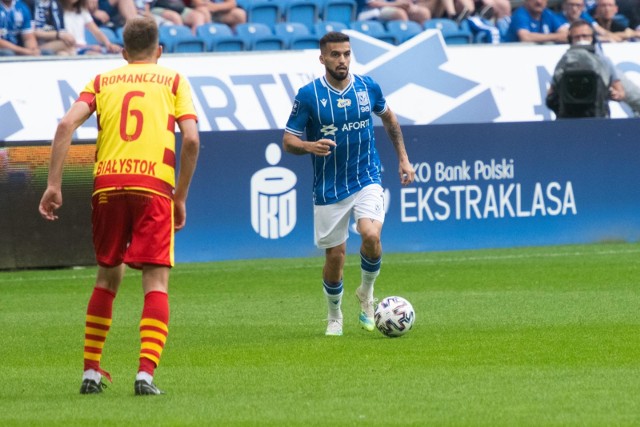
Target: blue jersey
{"points": [[47, 15], [522, 20], [15, 20], [344, 117]]}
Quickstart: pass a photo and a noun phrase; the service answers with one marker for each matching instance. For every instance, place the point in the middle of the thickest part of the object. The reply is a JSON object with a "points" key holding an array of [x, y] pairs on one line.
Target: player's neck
{"points": [[338, 84]]}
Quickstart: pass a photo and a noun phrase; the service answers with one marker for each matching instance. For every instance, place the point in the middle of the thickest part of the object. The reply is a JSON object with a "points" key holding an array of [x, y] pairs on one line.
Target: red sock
{"points": [[153, 330], [97, 324]]}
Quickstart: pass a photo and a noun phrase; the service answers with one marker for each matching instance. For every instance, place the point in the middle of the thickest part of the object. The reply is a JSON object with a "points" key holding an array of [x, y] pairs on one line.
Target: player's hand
{"points": [[616, 94], [322, 147], [50, 202], [407, 174], [113, 48], [179, 215]]}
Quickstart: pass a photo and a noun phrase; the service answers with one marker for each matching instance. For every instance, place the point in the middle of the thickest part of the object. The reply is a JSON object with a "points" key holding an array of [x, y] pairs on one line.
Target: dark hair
{"points": [[140, 36], [333, 37], [580, 23], [76, 7]]}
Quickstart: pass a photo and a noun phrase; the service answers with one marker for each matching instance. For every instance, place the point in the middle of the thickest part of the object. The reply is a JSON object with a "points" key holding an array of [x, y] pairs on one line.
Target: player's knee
{"points": [[371, 242]]}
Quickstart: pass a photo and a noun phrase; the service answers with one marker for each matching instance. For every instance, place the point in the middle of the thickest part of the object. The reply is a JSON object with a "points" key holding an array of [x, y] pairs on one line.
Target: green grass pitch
{"points": [[513, 337]]}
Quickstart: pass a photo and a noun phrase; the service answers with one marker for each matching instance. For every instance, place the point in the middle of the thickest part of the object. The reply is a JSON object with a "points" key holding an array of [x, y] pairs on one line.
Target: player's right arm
{"points": [[52, 197], [294, 129], [294, 145]]}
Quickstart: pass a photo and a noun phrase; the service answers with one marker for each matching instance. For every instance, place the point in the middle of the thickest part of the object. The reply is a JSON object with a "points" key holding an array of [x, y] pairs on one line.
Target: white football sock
{"points": [[368, 280], [92, 374], [144, 376]]}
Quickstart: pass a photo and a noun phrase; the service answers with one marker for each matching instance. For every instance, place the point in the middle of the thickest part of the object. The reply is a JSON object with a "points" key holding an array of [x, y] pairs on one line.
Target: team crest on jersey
{"points": [[363, 98], [344, 103], [295, 108]]}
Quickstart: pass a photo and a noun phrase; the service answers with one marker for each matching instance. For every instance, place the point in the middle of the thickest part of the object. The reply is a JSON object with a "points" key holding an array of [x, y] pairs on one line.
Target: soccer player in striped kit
{"points": [[137, 202], [336, 112]]}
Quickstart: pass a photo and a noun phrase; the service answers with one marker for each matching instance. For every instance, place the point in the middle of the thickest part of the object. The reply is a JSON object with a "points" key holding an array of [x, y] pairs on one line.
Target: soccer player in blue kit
{"points": [[336, 111]]}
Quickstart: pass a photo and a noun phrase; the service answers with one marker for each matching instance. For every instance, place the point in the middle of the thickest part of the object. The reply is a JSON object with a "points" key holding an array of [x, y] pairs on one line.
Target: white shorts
{"points": [[332, 221]]}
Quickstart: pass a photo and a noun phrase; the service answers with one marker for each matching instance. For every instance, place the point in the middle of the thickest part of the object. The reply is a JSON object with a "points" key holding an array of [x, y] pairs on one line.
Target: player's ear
{"points": [[159, 51], [125, 55]]}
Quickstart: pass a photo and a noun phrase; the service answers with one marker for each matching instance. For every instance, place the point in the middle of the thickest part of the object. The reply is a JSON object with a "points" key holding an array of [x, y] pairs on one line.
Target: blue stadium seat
{"points": [[244, 4], [111, 36], [323, 27], [343, 11], [304, 43], [305, 12], [178, 39], [264, 12], [403, 30], [259, 37], [297, 35], [451, 32], [219, 38], [374, 29]]}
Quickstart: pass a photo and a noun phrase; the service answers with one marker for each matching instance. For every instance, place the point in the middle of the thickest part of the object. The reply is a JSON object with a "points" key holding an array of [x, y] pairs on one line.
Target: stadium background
{"points": [[597, 159]]}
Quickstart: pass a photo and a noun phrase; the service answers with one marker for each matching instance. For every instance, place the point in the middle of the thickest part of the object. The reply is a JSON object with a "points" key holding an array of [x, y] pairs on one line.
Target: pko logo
{"points": [[273, 197]]}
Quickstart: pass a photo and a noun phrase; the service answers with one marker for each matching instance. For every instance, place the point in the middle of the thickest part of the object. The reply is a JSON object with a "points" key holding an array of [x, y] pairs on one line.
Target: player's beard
{"points": [[339, 75]]}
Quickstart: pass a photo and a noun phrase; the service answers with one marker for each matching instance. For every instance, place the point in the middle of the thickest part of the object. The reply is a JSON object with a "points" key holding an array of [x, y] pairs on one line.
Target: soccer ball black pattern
{"points": [[394, 316]]}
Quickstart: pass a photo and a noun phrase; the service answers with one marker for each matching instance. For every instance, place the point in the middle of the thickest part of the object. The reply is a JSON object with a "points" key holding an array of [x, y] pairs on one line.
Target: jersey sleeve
{"points": [[519, 21], [380, 103], [299, 116], [184, 102], [27, 22], [88, 94], [555, 23]]}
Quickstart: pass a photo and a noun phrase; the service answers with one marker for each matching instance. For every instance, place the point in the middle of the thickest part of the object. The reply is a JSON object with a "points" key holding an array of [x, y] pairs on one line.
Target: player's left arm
{"points": [[188, 160], [52, 197], [392, 127]]}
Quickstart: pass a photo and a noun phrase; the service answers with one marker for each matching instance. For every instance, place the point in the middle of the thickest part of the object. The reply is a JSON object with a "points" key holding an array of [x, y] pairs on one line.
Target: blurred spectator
{"points": [[16, 30], [534, 22], [574, 10], [402, 10], [49, 29], [630, 9], [584, 79], [112, 13], [177, 14], [604, 14], [222, 11], [78, 19], [458, 10]]}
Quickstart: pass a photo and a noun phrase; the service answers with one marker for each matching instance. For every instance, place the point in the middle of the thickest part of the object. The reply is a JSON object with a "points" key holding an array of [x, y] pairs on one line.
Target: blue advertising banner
{"points": [[478, 186]]}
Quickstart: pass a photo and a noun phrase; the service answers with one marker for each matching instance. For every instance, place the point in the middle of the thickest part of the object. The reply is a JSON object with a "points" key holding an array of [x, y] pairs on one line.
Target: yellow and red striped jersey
{"points": [[137, 107]]}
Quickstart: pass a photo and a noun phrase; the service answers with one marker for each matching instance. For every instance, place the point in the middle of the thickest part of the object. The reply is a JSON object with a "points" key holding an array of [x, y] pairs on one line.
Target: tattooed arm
{"points": [[392, 127]]}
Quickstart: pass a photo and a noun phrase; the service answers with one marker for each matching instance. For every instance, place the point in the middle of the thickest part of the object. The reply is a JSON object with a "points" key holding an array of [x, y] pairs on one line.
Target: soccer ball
{"points": [[394, 316]]}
